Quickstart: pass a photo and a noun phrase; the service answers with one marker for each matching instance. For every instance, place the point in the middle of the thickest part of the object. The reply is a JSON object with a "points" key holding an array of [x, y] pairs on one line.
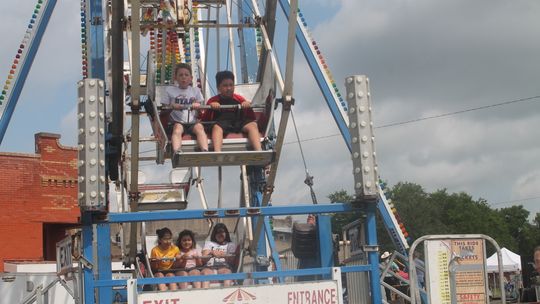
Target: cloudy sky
{"points": [[424, 59]]}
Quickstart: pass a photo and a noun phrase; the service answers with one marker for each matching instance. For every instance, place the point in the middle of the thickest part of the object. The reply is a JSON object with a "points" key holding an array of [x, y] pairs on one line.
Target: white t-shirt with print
{"points": [[228, 248], [176, 95]]}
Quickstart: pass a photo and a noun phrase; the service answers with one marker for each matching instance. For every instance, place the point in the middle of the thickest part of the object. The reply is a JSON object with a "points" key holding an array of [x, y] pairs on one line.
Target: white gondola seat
{"points": [[150, 241], [166, 196], [235, 150]]}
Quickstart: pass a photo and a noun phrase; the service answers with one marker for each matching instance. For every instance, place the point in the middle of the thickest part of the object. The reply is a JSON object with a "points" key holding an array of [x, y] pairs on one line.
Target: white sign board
{"points": [[322, 292], [63, 255], [438, 280], [467, 259]]}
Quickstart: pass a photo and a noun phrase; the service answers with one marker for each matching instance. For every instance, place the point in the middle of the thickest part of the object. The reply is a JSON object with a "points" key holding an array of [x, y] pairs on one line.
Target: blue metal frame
{"points": [[87, 251], [26, 64], [319, 77], [104, 261], [235, 276], [96, 51], [275, 253], [326, 252], [392, 230], [242, 212], [104, 281], [96, 47], [257, 182], [250, 43], [373, 256], [370, 223]]}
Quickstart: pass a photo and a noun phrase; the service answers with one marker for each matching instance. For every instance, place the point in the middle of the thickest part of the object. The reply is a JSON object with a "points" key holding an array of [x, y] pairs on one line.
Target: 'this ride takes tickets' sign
{"points": [[456, 271]]}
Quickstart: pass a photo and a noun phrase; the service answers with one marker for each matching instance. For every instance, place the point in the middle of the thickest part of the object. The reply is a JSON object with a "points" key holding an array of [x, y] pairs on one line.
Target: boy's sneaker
{"points": [[176, 156], [168, 150]]}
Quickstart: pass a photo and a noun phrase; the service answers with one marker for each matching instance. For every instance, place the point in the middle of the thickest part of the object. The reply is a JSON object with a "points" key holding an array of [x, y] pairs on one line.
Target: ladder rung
{"points": [[162, 198], [162, 206], [143, 139], [232, 158], [206, 2]]}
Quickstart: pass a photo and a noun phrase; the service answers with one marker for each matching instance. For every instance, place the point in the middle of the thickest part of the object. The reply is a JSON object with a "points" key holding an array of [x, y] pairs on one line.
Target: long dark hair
{"points": [[216, 228], [184, 233], [162, 232]]}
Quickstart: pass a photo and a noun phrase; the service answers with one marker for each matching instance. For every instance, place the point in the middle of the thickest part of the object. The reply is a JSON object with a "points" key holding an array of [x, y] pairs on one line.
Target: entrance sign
{"points": [[322, 292]]}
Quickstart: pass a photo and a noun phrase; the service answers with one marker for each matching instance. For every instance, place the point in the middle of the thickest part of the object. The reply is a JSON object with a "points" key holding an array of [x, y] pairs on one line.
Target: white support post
{"points": [[132, 291], [91, 139], [231, 37], [362, 138], [200, 188], [336, 276], [247, 200], [39, 294]]}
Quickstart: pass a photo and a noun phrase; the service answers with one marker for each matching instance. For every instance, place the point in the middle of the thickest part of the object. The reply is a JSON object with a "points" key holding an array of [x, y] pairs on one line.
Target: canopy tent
{"points": [[511, 262]]}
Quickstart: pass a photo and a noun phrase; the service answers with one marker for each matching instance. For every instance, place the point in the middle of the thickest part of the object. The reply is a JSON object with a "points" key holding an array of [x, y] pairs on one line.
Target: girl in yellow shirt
{"points": [[162, 257]]}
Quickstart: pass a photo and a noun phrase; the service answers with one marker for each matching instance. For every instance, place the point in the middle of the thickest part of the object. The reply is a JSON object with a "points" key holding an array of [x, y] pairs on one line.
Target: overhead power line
{"points": [[516, 201], [458, 112], [430, 117]]}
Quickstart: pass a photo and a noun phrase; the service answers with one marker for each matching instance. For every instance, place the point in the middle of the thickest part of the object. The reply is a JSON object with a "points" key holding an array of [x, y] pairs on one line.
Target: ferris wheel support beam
{"points": [[269, 19], [95, 234], [342, 121], [287, 103], [114, 147], [95, 40], [27, 59], [134, 193], [231, 36], [319, 77], [248, 47]]}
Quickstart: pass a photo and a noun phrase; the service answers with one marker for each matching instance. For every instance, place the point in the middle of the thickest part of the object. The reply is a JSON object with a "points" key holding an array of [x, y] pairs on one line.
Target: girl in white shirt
{"points": [[222, 252]]}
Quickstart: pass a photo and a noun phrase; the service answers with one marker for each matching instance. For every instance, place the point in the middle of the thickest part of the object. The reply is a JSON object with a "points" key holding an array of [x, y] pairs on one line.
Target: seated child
{"points": [[190, 257], [185, 120], [227, 120], [162, 257], [219, 248]]}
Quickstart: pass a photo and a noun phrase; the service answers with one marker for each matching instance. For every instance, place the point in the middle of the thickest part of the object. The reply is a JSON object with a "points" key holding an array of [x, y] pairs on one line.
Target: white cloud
{"points": [[68, 126], [423, 57], [527, 185], [428, 58]]}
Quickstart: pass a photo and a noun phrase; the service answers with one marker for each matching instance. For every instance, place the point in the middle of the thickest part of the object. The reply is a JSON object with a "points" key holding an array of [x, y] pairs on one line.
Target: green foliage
{"points": [[441, 212], [341, 219]]}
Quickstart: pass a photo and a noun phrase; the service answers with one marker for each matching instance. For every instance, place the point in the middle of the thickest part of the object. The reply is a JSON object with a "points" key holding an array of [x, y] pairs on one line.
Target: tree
{"points": [[515, 218], [419, 213], [537, 220], [441, 212], [341, 219]]}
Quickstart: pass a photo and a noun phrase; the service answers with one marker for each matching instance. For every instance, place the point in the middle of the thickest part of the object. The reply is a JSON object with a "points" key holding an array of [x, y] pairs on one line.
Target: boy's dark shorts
{"points": [[188, 127], [232, 126]]}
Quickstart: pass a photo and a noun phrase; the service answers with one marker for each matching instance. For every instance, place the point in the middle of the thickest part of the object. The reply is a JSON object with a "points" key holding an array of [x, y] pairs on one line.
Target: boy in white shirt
{"points": [[185, 120]]}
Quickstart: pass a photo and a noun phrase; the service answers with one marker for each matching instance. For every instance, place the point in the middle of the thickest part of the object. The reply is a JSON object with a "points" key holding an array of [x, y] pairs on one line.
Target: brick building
{"points": [[38, 200]]}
